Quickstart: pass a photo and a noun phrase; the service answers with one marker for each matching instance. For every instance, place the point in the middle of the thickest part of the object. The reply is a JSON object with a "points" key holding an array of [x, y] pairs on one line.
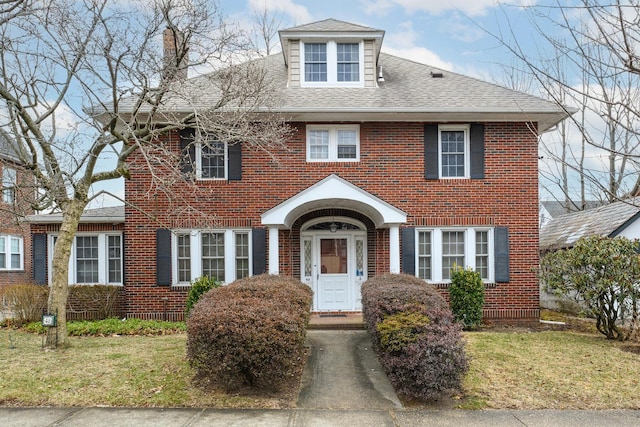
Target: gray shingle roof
{"points": [[409, 93], [109, 214], [330, 25], [6, 149], [608, 220]]}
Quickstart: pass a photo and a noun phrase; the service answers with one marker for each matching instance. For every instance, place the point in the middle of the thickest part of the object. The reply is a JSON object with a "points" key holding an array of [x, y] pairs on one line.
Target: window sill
{"points": [[441, 285]]}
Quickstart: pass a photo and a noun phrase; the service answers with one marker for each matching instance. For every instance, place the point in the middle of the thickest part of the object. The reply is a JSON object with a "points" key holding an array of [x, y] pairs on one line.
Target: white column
{"points": [[394, 249], [274, 254]]}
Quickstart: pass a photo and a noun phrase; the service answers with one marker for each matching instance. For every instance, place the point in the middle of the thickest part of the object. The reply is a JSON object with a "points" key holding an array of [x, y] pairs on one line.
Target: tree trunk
{"points": [[59, 291]]}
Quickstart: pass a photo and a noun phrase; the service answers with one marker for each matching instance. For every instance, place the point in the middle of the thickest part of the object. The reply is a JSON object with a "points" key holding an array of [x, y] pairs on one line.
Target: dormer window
{"points": [[332, 64]]}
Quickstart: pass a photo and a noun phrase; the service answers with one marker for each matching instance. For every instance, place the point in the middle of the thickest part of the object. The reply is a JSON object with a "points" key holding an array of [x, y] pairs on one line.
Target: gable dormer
{"points": [[331, 53]]}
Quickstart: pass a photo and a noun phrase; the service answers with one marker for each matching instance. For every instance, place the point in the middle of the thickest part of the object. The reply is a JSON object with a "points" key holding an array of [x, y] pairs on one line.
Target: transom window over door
{"points": [[333, 143]]}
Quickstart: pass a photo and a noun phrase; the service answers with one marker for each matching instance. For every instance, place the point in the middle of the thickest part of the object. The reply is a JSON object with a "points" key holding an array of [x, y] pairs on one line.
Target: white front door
{"points": [[333, 264], [334, 256]]}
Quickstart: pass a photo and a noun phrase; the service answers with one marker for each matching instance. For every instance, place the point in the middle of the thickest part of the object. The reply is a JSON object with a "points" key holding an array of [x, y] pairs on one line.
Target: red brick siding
{"points": [[391, 167]]}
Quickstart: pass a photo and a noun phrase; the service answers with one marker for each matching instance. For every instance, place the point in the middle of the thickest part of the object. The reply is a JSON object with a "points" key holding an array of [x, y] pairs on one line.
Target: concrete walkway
{"points": [[342, 385]]}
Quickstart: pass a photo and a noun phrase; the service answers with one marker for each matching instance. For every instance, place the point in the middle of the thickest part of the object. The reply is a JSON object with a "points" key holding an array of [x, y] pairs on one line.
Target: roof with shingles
{"points": [[608, 220], [331, 25], [410, 92], [109, 214], [6, 149]]}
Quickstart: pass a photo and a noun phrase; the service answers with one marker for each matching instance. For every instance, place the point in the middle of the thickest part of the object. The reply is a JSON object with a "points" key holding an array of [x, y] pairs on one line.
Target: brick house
{"points": [[15, 203], [392, 166]]}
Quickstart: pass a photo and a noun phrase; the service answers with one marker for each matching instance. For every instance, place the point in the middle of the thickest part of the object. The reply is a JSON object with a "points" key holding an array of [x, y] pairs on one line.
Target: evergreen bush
{"points": [[466, 297], [199, 287]]}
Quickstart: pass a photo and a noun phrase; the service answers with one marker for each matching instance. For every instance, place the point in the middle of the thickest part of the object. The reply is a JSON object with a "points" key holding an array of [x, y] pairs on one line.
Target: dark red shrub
{"points": [[427, 357], [250, 333]]}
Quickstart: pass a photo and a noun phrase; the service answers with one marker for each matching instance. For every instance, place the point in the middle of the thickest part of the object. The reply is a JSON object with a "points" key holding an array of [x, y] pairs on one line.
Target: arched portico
{"points": [[338, 195]]}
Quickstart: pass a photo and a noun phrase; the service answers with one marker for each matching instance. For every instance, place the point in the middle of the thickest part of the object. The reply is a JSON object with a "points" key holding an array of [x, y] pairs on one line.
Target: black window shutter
{"points": [[408, 243], [235, 161], [476, 136], [163, 257], [39, 250], [187, 151], [502, 254], [259, 250], [431, 162]]}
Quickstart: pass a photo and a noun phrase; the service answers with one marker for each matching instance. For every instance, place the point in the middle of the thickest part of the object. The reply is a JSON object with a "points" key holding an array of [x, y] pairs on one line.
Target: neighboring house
{"points": [[552, 208], [562, 232], [620, 218], [392, 166], [15, 203]]}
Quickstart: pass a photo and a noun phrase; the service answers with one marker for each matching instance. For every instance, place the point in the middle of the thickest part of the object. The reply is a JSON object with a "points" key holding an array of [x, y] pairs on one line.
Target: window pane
{"points": [[315, 62], [424, 255], [242, 255], [3, 252], [184, 258], [8, 185], [87, 259], [452, 152], [333, 256], [114, 259], [452, 252], [319, 144], [213, 160], [482, 253], [15, 254], [213, 255], [347, 144], [348, 62]]}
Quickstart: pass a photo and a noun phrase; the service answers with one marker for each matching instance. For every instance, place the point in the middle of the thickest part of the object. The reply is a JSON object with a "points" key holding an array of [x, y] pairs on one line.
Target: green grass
{"points": [[142, 364], [551, 369]]}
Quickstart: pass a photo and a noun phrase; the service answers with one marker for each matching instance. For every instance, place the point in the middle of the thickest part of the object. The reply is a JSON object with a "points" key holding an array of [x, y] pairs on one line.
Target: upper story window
{"points": [[453, 149], [333, 143], [11, 252], [8, 185], [211, 160], [332, 64]]}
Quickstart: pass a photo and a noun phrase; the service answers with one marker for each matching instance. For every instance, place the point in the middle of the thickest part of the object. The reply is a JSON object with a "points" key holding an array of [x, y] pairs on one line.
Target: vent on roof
{"points": [[437, 74], [380, 75]]}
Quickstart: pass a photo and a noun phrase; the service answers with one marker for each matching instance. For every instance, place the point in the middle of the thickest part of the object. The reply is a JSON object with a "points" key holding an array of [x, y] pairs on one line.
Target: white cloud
{"points": [[376, 7], [469, 7], [403, 43], [298, 14]]}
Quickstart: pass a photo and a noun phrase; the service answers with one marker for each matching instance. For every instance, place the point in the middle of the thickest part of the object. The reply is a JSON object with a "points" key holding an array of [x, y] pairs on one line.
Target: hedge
{"points": [[250, 333], [419, 345]]}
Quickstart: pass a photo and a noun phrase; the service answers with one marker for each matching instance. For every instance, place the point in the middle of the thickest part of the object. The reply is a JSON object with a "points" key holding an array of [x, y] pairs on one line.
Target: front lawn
{"points": [[517, 369]]}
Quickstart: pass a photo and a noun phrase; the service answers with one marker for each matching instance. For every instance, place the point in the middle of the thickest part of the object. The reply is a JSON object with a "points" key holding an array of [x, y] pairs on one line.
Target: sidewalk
{"points": [[342, 385], [123, 417]]}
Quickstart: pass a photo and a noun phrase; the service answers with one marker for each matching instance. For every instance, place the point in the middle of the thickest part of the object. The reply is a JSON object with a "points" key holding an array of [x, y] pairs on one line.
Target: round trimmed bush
{"points": [[413, 332], [250, 333]]}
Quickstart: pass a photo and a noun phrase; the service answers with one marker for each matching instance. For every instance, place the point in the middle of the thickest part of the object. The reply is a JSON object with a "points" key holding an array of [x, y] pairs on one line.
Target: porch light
{"points": [[333, 227]]}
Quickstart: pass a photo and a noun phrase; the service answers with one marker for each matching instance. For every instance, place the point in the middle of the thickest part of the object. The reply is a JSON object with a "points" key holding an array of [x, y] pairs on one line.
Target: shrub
{"points": [[250, 333], [466, 293], [198, 288], [25, 302], [94, 302], [414, 335], [602, 275]]}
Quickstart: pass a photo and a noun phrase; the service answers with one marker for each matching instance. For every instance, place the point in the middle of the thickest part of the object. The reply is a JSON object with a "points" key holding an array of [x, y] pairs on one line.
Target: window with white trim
{"points": [[220, 254], [212, 159], [11, 252], [96, 258], [332, 63], [333, 143], [439, 250], [453, 149], [8, 185]]}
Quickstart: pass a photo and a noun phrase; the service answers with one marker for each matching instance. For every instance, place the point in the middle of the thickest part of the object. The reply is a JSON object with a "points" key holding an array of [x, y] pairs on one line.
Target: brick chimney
{"points": [[173, 43]]}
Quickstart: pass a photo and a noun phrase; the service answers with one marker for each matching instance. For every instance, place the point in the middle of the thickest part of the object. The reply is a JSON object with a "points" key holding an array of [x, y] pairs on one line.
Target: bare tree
{"points": [[85, 86], [266, 24], [589, 58]]}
